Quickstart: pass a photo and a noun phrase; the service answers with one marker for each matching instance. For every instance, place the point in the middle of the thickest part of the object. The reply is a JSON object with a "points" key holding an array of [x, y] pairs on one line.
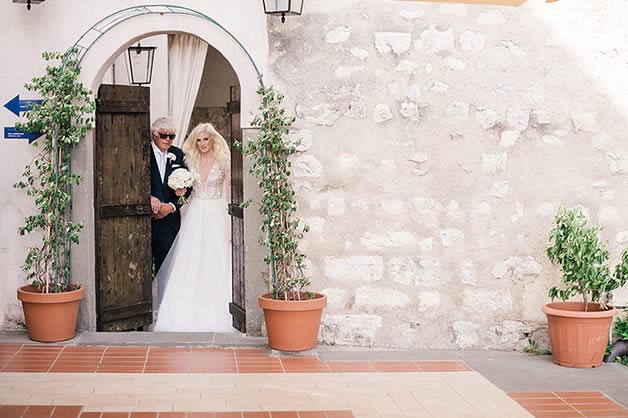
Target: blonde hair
{"points": [[219, 146]]}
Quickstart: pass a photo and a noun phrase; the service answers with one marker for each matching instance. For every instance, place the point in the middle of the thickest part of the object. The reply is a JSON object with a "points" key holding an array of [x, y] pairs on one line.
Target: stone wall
{"points": [[438, 141]]}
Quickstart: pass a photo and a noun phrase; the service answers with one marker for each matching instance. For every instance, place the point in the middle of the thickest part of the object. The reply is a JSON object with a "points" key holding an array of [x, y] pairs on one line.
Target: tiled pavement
{"points": [[45, 381]]}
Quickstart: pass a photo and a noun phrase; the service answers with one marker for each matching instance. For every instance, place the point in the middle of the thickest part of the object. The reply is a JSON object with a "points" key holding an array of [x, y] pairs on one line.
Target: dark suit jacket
{"points": [[165, 229]]}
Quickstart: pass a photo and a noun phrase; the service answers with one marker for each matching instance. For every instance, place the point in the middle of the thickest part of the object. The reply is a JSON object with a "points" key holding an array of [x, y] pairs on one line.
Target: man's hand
{"points": [[165, 210], [155, 205]]}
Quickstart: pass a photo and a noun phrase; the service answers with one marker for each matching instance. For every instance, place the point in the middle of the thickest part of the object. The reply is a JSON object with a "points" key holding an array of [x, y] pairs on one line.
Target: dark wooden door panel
{"points": [[122, 208], [237, 307]]}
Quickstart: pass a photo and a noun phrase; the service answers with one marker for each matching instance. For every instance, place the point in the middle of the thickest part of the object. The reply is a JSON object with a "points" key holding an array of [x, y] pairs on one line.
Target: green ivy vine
{"points": [[270, 164], [62, 118]]}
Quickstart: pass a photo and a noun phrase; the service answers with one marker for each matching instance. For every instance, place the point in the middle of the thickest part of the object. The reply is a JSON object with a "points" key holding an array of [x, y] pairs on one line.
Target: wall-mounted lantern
{"points": [[139, 63], [28, 2], [283, 8]]}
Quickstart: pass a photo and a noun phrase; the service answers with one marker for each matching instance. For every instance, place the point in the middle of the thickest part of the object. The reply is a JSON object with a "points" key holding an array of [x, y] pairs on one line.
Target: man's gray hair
{"points": [[164, 122]]}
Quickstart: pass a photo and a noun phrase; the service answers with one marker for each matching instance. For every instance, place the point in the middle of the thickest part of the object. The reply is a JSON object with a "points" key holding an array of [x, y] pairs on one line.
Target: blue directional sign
{"points": [[16, 105], [11, 133]]}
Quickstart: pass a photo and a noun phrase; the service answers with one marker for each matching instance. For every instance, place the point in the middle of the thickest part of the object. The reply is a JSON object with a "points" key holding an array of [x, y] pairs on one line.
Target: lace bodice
{"points": [[214, 185]]}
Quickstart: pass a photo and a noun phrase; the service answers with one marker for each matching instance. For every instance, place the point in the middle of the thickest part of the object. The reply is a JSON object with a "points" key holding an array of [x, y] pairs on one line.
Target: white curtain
{"points": [[186, 59]]}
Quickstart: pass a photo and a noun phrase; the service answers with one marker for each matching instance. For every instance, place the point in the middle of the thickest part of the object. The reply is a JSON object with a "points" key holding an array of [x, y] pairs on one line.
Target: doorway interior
{"points": [[123, 301]]}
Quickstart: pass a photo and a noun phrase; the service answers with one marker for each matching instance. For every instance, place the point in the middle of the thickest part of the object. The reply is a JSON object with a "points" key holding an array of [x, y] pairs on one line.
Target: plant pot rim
{"points": [[576, 310], [28, 293], [266, 301]]}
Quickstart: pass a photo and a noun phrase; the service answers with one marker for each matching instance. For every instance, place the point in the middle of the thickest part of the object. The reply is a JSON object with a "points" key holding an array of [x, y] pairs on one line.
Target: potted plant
{"points": [[292, 315], [51, 301], [579, 330]]}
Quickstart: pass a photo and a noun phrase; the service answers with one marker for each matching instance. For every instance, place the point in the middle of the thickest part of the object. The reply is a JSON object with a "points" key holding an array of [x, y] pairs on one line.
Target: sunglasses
{"points": [[164, 136]]}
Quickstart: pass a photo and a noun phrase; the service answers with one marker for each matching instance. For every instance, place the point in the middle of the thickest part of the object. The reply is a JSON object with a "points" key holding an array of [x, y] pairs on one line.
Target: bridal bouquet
{"points": [[180, 179]]}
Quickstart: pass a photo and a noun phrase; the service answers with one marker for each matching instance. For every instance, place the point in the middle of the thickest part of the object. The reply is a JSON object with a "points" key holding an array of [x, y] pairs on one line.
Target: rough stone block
{"points": [[494, 163], [397, 42], [458, 110], [483, 300], [338, 35], [388, 239], [517, 269], [373, 297], [465, 334], [355, 330], [366, 268], [382, 113], [434, 40], [415, 270], [487, 118], [472, 41], [306, 166]]}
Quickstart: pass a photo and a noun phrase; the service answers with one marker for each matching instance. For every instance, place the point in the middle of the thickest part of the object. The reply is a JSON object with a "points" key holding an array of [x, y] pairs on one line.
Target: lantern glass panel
{"points": [[296, 7], [140, 64], [276, 6]]}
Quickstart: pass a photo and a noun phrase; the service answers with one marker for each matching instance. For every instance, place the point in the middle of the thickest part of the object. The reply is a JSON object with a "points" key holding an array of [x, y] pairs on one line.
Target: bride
{"points": [[194, 281]]}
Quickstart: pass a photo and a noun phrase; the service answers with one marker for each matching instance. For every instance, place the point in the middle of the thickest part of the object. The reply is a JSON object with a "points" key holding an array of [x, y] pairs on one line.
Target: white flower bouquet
{"points": [[180, 179]]}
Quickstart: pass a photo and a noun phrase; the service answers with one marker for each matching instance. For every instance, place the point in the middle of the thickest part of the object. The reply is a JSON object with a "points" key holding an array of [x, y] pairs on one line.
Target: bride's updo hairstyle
{"points": [[219, 146]]}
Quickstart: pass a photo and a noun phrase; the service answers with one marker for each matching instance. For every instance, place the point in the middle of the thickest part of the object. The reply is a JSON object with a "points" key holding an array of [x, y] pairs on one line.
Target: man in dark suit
{"points": [[164, 159]]}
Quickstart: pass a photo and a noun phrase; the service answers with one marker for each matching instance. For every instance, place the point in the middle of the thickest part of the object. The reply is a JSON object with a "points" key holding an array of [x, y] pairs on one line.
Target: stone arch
{"points": [[248, 63], [247, 57]]}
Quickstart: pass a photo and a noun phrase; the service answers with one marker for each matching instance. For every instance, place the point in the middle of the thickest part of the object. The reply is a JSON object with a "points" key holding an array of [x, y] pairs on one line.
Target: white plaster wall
{"points": [[439, 141], [57, 26], [159, 82]]}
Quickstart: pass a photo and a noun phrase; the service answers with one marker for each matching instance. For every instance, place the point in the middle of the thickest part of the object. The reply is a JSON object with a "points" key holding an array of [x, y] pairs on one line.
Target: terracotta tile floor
{"points": [[45, 381], [25, 411], [569, 404], [112, 359]]}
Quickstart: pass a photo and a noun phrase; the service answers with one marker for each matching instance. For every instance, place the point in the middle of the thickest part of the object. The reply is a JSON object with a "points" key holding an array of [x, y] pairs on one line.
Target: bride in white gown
{"points": [[194, 281]]}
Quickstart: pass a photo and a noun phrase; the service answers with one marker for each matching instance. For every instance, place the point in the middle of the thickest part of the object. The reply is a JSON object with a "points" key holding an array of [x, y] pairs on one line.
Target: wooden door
{"points": [[237, 307], [122, 208]]}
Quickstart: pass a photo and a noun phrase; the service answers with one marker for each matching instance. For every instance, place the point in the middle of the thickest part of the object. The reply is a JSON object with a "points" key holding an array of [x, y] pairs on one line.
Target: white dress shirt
{"points": [[161, 158]]}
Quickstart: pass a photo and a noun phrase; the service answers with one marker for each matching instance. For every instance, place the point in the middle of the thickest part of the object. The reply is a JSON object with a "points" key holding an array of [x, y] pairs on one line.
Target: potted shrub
{"points": [[292, 315], [51, 301], [579, 330]]}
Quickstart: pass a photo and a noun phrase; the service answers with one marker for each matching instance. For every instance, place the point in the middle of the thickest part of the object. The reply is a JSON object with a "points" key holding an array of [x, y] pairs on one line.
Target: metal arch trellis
{"points": [[89, 38]]}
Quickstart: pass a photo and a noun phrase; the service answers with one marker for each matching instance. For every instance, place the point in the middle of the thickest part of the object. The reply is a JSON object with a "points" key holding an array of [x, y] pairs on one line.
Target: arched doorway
{"points": [[97, 57]]}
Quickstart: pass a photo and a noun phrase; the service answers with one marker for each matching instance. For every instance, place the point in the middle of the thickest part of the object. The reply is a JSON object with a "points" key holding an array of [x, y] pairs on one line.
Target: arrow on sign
{"points": [[11, 133], [16, 105]]}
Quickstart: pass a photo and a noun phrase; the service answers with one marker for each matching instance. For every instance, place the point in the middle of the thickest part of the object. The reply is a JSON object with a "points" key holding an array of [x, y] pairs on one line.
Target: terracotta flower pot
{"points": [[50, 316], [292, 325], [578, 338]]}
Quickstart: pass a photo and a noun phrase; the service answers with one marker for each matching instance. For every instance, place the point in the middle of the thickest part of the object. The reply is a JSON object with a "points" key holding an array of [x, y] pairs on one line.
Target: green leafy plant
{"points": [[620, 332], [281, 230], [583, 259], [533, 348], [620, 329], [62, 118]]}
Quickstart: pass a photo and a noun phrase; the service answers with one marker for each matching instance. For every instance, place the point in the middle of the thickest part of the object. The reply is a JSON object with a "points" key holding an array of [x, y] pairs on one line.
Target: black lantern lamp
{"points": [[283, 8], [28, 2], [140, 63]]}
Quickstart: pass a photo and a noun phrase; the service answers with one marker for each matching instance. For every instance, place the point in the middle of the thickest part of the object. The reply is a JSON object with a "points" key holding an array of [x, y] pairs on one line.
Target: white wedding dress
{"points": [[194, 282]]}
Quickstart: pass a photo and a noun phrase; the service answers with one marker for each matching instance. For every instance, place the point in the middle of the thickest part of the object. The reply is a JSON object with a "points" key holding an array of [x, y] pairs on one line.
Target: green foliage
{"points": [[533, 348], [62, 118], [620, 329], [583, 258], [281, 231]]}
